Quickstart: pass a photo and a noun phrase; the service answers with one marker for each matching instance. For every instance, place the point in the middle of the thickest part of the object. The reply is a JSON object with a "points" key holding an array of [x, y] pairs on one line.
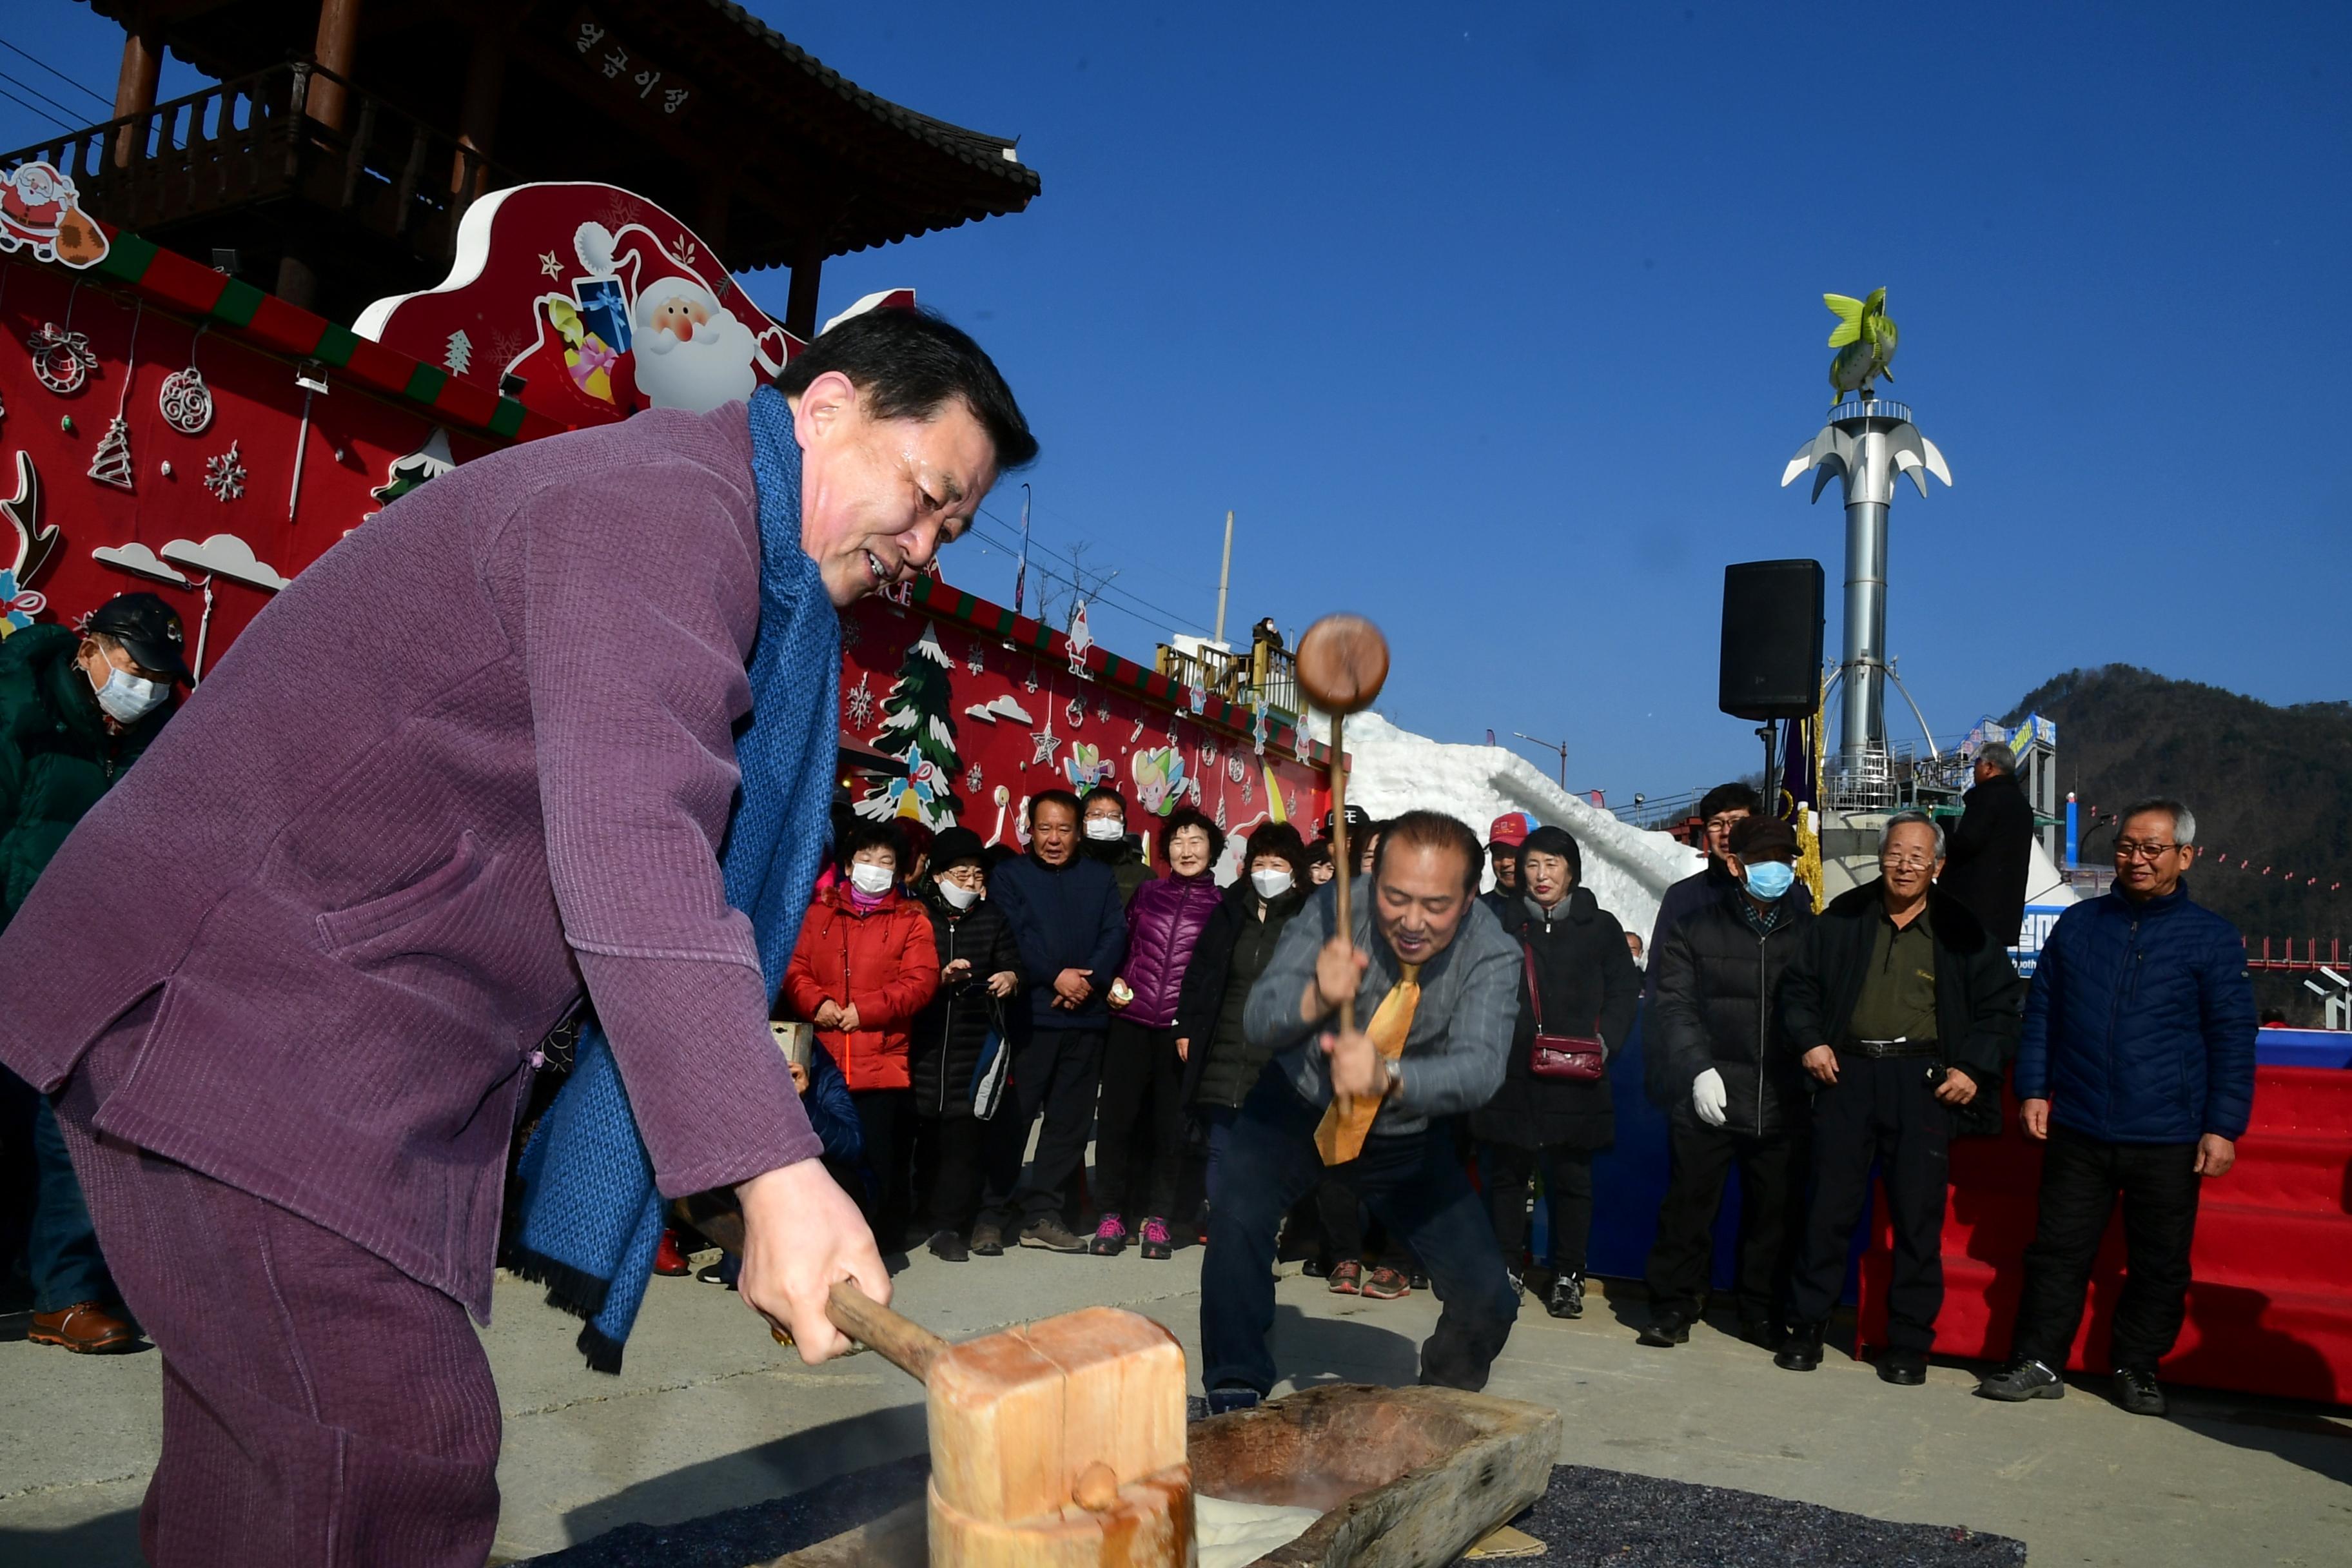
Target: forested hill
{"points": [[2271, 783]]}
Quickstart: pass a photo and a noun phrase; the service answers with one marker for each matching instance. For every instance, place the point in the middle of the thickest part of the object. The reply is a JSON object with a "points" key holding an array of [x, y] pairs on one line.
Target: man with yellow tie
{"points": [[1432, 972]]}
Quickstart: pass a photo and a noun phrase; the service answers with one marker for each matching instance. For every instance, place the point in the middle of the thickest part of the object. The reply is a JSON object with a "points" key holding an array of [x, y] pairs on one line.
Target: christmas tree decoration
{"points": [[62, 359], [185, 401], [457, 354], [919, 729], [34, 544], [1102, 713], [1030, 683], [110, 464], [224, 474], [429, 461]]}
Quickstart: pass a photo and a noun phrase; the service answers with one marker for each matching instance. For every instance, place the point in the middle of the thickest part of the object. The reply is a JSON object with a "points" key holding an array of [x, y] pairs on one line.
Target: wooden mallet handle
{"points": [[1343, 660], [903, 1342]]}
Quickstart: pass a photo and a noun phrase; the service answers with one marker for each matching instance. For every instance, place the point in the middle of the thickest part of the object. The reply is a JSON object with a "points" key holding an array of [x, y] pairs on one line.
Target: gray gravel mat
{"points": [[1587, 1517]]}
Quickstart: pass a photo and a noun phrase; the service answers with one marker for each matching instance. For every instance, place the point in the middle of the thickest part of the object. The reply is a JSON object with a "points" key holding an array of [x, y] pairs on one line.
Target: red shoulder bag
{"points": [[1577, 1058]]}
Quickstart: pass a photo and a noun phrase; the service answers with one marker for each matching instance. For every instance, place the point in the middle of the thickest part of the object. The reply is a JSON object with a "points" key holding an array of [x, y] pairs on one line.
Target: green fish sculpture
{"points": [[1864, 339]]}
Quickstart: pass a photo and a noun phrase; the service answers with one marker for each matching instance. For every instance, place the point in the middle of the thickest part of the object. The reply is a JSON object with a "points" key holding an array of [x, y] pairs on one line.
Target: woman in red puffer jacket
{"points": [[1141, 1067], [863, 967]]}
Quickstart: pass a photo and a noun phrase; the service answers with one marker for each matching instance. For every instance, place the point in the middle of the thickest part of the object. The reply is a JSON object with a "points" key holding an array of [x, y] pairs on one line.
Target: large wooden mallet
{"points": [[1059, 1444], [1343, 662]]}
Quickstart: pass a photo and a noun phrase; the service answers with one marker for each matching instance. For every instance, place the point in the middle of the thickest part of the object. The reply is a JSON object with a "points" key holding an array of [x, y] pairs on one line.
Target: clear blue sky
{"points": [[1498, 323]]}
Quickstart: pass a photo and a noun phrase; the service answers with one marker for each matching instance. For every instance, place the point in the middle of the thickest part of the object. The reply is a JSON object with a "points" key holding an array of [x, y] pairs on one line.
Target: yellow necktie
{"points": [[1340, 1136]]}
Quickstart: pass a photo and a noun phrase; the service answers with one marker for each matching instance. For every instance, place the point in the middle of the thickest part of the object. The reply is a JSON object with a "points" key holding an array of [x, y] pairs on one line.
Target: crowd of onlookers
{"points": [[981, 1014]]}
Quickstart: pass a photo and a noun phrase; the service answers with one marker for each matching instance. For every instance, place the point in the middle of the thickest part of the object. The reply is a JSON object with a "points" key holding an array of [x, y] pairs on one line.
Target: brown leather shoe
{"points": [[85, 1328]]}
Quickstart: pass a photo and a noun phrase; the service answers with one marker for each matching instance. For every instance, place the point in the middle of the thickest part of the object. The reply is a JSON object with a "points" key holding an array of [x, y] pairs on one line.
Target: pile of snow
{"points": [[1628, 869]]}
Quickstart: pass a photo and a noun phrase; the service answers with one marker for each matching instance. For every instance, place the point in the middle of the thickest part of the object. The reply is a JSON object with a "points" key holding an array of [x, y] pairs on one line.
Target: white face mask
{"points": [[1270, 884], [958, 897], [1103, 829], [127, 699], [869, 878]]}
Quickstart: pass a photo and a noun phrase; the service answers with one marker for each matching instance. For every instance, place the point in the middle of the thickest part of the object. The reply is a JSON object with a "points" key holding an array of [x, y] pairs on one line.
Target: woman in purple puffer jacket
{"points": [[1141, 1067]]}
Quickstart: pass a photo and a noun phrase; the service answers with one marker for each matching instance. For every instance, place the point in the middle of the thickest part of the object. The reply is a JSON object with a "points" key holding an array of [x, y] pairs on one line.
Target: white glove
{"points": [[1708, 1097]]}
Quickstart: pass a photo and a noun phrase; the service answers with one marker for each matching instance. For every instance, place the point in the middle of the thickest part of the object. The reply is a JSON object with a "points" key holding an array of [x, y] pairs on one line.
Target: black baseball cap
{"points": [[149, 630]]}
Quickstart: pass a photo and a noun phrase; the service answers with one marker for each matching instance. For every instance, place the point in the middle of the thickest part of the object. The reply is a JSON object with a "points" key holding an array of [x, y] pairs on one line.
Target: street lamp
{"points": [[1559, 746]]}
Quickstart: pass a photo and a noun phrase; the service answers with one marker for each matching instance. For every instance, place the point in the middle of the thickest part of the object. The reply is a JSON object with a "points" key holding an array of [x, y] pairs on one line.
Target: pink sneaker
{"points": [[1156, 1243], [1110, 1237]]}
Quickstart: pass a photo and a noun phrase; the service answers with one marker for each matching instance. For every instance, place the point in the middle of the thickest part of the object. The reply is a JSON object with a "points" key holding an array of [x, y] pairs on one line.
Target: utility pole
{"points": [[1559, 746], [1020, 572], [1224, 580]]}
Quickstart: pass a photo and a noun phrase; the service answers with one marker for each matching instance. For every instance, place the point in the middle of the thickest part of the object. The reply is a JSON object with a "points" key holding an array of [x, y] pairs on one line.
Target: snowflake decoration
{"points": [[1233, 769], [861, 703], [851, 635], [976, 661], [971, 779], [1046, 742], [1075, 710], [1102, 713], [224, 474]]}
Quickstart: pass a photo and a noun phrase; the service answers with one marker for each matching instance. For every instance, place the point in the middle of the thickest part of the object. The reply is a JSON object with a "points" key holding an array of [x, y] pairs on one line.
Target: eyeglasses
{"points": [[2128, 850], [1905, 862]]}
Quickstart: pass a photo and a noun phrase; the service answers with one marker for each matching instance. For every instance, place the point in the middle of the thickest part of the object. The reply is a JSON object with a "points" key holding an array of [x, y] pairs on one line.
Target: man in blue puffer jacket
{"points": [[2137, 1066]]}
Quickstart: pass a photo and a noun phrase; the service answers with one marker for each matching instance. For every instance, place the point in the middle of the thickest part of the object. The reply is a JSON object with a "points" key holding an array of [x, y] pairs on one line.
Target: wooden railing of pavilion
{"points": [[251, 140], [1263, 674]]}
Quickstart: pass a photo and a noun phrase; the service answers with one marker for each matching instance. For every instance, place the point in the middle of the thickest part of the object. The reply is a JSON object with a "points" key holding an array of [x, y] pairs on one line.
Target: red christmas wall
{"points": [[77, 355]]}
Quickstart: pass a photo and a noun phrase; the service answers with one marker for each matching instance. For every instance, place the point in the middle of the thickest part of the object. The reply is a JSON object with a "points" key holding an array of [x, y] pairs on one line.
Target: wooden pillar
{"points": [[477, 117], [134, 88], [800, 303], [338, 47], [717, 194], [298, 281]]}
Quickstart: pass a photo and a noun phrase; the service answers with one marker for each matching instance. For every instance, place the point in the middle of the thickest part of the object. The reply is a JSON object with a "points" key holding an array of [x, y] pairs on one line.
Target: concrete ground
{"points": [[710, 1415]]}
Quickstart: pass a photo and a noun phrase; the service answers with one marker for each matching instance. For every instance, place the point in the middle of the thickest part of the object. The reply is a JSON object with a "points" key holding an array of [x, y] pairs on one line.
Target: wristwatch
{"points": [[1394, 1067]]}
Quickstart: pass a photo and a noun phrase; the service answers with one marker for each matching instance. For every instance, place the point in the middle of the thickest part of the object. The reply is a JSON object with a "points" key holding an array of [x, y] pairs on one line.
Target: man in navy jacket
{"points": [[2137, 1066], [1070, 925]]}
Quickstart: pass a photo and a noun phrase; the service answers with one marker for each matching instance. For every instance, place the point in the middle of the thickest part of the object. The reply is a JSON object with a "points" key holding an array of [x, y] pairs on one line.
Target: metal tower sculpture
{"points": [[1867, 441]]}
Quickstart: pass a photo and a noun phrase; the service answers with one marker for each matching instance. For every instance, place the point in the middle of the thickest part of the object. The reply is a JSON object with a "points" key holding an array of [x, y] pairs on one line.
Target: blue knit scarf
{"points": [[590, 1215]]}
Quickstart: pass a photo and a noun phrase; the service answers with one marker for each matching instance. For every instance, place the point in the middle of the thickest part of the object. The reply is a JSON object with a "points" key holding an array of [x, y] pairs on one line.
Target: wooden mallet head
{"points": [[1343, 660]]}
